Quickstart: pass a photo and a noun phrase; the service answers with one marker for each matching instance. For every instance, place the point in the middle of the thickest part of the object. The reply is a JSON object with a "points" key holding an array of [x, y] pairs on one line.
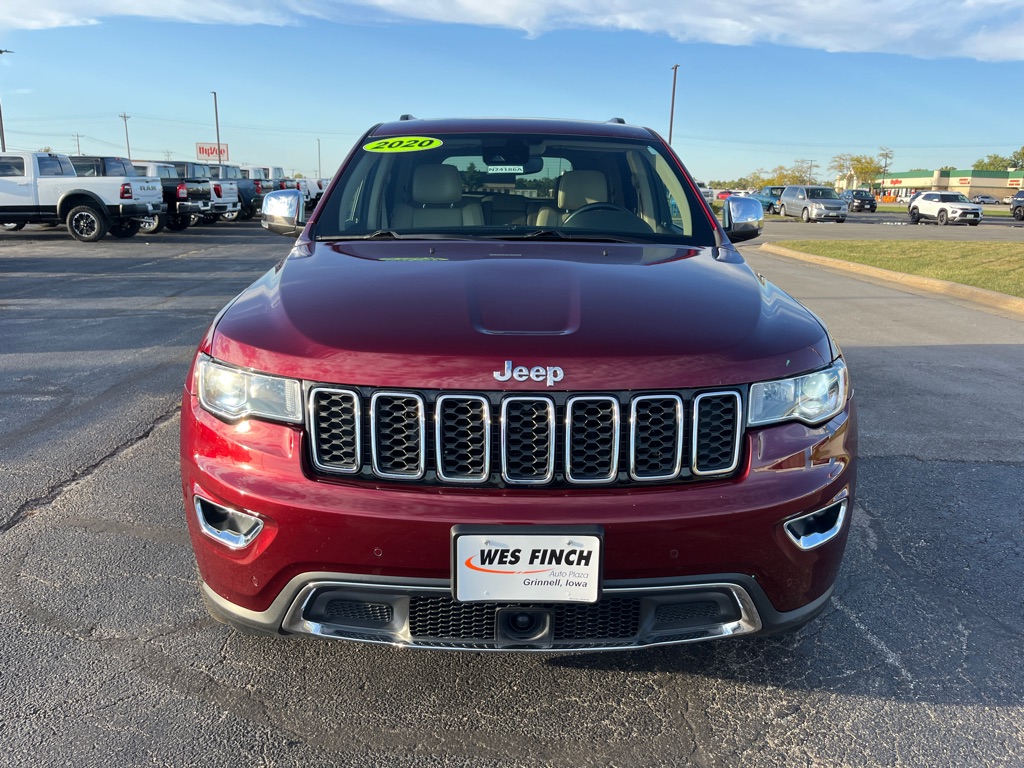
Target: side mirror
{"points": [[742, 218], [284, 212]]}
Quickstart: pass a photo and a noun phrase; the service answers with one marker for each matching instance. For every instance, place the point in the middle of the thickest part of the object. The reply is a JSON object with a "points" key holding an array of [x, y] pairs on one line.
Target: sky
{"points": [[939, 82]]}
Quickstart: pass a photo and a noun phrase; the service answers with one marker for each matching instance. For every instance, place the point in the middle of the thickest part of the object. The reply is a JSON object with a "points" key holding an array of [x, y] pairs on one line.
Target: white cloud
{"points": [[987, 30]]}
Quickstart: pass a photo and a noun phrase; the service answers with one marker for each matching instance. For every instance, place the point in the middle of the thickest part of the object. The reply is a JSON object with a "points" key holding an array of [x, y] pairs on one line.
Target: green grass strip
{"points": [[994, 266]]}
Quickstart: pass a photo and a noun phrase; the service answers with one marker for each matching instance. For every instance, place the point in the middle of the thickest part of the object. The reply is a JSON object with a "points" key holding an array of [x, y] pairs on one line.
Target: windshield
{"points": [[515, 185], [953, 197], [860, 194], [821, 193]]}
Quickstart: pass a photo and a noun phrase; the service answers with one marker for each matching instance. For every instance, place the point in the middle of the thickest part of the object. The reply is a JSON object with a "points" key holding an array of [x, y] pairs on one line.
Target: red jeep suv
{"points": [[513, 388]]}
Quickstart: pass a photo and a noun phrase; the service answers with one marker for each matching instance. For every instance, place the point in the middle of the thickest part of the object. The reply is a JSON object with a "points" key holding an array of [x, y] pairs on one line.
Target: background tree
{"points": [[804, 169], [843, 167], [993, 163], [473, 178], [866, 168]]}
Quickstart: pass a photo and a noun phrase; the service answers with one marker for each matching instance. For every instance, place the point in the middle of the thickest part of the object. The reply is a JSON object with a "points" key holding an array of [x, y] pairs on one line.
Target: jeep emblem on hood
{"points": [[552, 374]]}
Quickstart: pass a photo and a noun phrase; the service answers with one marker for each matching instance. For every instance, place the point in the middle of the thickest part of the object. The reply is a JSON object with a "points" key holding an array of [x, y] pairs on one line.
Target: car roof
{"points": [[415, 126]]}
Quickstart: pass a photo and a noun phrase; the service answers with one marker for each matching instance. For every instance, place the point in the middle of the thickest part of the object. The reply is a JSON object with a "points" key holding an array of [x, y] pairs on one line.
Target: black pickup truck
{"points": [[250, 191], [185, 198]]}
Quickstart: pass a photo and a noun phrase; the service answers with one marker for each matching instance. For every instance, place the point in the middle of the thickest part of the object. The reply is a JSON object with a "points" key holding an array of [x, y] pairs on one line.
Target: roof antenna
{"points": [[408, 117], [617, 121]]}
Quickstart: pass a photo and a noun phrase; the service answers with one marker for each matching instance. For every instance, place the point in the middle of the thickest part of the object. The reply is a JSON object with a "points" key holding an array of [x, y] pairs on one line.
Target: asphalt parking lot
{"points": [[110, 659]]}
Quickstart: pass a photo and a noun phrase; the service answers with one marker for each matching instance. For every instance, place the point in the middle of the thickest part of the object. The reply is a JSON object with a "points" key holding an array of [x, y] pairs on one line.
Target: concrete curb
{"points": [[931, 284]]}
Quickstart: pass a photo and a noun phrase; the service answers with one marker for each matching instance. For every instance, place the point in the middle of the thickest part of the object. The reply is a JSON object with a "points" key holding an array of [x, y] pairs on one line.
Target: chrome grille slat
{"points": [[491, 439], [336, 427], [527, 440], [656, 437], [716, 433], [462, 437], [398, 435], [592, 439]]}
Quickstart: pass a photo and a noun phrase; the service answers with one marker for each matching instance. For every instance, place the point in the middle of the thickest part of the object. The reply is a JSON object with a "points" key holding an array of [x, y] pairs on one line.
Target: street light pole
{"points": [[672, 114], [216, 122], [125, 117], [3, 141]]}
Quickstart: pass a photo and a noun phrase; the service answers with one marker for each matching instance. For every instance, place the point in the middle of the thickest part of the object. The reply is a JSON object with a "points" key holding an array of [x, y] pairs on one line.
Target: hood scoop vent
{"points": [[517, 302]]}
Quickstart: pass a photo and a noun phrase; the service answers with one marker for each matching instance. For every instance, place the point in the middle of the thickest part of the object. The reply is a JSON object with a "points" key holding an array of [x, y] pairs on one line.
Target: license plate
{"points": [[504, 567]]}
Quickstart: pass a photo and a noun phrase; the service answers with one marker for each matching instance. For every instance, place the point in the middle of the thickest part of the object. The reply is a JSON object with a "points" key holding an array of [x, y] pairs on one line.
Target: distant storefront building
{"points": [[999, 184]]}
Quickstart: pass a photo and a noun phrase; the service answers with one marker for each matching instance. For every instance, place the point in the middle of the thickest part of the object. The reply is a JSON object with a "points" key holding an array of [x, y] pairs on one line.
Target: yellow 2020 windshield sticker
{"points": [[403, 144]]}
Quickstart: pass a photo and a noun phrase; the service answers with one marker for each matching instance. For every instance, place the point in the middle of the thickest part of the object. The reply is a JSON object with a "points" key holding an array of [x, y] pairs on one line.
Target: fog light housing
{"points": [[231, 527]]}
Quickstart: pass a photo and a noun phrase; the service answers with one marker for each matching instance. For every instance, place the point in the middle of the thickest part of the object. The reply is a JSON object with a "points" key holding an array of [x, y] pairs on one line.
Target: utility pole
{"points": [[319, 175], [78, 141], [216, 122], [125, 117], [672, 113], [3, 141]]}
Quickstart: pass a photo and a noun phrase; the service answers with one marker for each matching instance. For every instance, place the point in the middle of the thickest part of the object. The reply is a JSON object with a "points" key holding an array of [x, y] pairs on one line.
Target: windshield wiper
{"points": [[390, 234], [561, 234]]}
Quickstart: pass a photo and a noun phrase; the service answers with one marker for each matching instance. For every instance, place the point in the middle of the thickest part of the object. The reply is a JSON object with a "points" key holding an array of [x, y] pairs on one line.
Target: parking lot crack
{"points": [[33, 505]]}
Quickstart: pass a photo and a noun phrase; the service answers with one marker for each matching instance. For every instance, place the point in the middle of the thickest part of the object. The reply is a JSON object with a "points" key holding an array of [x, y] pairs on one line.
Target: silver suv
{"points": [[812, 203], [945, 208]]}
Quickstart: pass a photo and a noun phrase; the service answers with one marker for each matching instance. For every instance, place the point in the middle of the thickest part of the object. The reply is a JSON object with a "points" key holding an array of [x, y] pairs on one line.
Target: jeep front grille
{"points": [[501, 439]]}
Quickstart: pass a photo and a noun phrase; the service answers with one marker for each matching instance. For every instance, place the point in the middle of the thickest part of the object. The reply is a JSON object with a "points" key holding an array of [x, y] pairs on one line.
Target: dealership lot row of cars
{"points": [[822, 203], [96, 195]]}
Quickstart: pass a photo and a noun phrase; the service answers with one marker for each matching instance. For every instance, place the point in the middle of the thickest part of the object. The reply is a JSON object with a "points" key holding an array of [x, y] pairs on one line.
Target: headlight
{"points": [[817, 206], [811, 398], [232, 393]]}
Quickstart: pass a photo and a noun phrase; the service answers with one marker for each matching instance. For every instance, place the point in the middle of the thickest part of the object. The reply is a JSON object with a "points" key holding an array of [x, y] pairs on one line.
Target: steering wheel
{"points": [[596, 207]]}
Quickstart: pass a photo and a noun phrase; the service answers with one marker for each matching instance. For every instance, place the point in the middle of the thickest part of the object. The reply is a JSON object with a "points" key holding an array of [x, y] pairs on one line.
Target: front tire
{"points": [[13, 226], [86, 224], [126, 228], [915, 215], [942, 218], [1018, 213], [782, 210], [805, 215]]}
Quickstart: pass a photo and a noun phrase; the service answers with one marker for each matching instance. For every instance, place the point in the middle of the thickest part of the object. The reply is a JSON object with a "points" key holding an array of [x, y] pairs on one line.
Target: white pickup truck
{"points": [[43, 188]]}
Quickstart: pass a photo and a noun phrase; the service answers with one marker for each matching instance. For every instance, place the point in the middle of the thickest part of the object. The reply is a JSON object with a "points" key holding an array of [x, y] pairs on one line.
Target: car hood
{"points": [[449, 314]]}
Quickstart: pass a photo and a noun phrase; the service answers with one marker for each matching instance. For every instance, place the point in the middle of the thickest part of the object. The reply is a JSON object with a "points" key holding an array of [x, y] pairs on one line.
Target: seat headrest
{"points": [[579, 188], [436, 185]]}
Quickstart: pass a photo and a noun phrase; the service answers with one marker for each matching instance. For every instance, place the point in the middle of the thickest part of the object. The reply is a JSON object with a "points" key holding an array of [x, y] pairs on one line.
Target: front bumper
{"points": [[826, 215], [366, 561], [422, 614]]}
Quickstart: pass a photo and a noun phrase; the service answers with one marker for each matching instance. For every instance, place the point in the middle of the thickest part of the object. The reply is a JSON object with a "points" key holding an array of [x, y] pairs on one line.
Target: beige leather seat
{"points": [[437, 201], [574, 190]]}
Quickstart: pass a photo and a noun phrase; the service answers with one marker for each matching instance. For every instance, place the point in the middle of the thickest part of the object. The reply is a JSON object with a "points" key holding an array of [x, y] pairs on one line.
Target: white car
{"points": [[945, 208], [1008, 199]]}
